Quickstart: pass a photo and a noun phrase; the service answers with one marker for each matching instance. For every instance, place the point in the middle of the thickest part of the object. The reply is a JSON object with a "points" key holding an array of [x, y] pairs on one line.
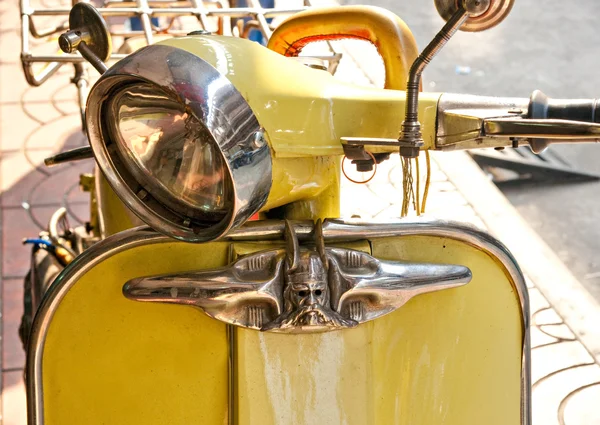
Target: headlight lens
{"points": [[171, 150]]}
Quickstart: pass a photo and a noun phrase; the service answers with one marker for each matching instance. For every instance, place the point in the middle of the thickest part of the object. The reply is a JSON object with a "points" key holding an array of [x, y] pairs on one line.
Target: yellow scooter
{"points": [[206, 317]]}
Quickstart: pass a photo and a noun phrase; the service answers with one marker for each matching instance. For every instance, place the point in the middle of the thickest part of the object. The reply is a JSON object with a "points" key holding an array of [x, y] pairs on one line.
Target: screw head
{"points": [[69, 41], [476, 7], [407, 152]]}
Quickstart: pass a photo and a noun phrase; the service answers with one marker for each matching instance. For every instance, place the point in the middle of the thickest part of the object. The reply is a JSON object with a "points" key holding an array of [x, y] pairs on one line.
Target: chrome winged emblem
{"points": [[300, 288]]}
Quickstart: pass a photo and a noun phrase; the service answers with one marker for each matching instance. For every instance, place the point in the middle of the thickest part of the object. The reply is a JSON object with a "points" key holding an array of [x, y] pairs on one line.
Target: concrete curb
{"points": [[580, 311]]}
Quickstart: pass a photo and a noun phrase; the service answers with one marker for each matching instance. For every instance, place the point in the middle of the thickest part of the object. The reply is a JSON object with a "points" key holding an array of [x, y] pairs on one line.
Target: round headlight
{"points": [[178, 143]]}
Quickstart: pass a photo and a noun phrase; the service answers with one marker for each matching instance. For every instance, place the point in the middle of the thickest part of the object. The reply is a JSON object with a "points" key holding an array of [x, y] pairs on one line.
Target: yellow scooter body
{"points": [[457, 356]]}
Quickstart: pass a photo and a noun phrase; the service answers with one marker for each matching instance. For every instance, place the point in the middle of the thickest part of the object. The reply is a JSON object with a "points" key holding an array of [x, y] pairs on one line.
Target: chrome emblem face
{"points": [[307, 297], [299, 289]]}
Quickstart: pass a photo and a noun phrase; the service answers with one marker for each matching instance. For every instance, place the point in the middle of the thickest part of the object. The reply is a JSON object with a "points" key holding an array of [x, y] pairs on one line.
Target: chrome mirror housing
{"points": [[88, 34], [483, 14], [179, 144]]}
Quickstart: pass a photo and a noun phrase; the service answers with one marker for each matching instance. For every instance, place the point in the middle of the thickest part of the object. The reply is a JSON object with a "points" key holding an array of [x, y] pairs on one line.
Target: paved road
{"points": [[551, 46]]}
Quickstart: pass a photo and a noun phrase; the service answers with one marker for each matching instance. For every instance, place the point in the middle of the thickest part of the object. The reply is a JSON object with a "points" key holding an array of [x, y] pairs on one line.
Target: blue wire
{"points": [[37, 242]]}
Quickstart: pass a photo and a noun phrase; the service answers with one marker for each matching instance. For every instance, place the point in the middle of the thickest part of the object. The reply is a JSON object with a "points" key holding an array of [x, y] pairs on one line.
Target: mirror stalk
{"points": [[411, 138]]}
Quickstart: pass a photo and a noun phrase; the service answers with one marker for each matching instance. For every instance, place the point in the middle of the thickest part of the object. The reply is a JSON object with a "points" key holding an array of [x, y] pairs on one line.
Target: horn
{"points": [[292, 247], [320, 243]]}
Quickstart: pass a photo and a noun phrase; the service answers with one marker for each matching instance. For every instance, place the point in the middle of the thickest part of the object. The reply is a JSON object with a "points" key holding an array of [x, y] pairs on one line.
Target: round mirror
{"points": [[88, 25], [483, 14]]}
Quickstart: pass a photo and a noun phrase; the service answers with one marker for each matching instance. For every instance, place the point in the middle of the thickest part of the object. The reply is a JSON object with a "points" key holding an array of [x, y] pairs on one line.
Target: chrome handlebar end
{"points": [[466, 122]]}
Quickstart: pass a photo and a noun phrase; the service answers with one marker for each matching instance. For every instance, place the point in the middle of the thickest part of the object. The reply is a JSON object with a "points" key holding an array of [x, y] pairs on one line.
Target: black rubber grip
{"points": [[541, 106]]}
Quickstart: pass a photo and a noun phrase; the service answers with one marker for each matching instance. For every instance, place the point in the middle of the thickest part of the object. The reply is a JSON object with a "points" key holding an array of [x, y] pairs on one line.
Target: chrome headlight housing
{"points": [[178, 143]]}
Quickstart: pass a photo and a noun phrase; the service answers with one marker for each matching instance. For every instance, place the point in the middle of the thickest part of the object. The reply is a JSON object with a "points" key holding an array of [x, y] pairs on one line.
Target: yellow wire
{"points": [[427, 181], [417, 206], [406, 171], [408, 190], [403, 187]]}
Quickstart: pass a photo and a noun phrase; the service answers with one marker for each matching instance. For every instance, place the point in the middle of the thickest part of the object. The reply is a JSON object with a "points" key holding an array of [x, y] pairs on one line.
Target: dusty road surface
{"points": [[551, 46]]}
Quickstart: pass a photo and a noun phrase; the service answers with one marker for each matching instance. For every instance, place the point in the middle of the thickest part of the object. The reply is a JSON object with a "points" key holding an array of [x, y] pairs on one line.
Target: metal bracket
{"points": [[354, 149], [372, 141], [410, 133]]}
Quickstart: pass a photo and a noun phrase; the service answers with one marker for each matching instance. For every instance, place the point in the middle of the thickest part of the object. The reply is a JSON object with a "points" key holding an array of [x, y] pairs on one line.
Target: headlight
{"points": [[178, 143]]}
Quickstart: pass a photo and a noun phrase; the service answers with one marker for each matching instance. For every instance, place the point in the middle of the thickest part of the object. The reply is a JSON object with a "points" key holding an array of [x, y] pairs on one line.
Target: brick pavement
{"points": [[37, 122]]}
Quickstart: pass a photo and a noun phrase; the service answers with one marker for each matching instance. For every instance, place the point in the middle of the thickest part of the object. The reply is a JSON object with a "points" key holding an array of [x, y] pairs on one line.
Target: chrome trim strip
{"points": [[231, 392], [333, 230], [99, 203]]}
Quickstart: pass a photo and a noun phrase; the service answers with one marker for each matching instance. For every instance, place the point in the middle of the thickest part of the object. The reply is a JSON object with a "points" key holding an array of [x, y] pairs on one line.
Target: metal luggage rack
{"points": [[213, 15], [156, 19]]}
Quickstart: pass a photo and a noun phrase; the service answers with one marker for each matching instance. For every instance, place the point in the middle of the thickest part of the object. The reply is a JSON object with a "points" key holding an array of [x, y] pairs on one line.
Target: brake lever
{"points": [[540, 132], [77, 154]]}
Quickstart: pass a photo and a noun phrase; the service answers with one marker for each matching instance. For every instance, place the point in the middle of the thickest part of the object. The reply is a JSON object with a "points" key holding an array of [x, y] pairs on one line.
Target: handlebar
{"points": [[388, 33]]}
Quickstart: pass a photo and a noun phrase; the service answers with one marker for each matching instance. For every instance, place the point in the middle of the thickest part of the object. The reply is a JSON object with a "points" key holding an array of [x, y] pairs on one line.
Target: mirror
{"points": [[89, 34], [484, 14]]}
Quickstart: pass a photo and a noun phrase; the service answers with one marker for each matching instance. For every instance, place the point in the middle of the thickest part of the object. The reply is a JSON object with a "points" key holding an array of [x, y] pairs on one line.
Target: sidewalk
{"points": [[37, 122]]}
